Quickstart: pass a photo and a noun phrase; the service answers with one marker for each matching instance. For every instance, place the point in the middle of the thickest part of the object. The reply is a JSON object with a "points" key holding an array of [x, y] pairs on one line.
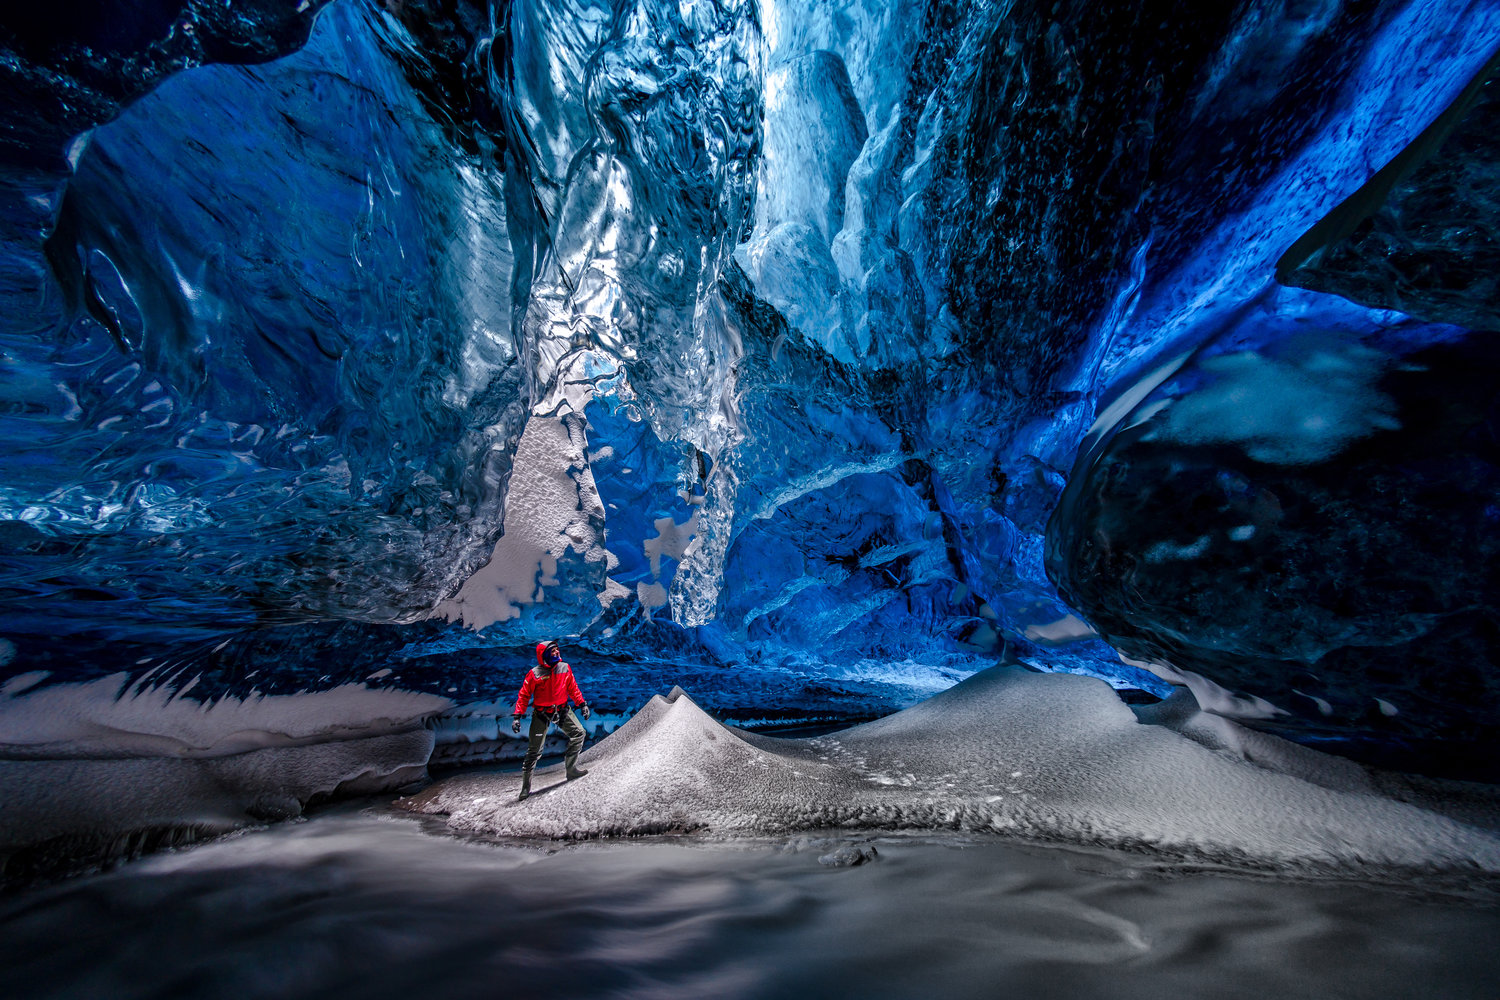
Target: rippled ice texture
{"points": [[362, 905]]}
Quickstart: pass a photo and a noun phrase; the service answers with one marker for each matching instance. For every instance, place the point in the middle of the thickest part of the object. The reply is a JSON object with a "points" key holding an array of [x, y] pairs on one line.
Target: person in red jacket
{"points": [[551, 686]]}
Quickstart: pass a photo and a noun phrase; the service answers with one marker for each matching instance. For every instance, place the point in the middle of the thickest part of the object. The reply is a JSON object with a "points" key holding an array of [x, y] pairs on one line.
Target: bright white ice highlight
{"points": [[1294, 410]]}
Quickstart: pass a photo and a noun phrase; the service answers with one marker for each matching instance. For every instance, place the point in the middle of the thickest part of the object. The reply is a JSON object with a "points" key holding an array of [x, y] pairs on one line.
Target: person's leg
{"points": [[573, 730], [538, 736]]}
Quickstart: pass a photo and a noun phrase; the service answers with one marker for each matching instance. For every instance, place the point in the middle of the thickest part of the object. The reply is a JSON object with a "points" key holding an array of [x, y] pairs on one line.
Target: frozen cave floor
{"points": [[1049, 758], [356, 903]]}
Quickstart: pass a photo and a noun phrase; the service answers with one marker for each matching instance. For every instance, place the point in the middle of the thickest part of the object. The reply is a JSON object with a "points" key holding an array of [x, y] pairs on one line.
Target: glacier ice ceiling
{"points": [[810, 355]]}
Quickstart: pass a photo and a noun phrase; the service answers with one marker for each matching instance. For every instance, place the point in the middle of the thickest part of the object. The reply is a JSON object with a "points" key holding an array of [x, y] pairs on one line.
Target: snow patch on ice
{"points": [[552, 508], [1211, 696], [1069, 628], [821, 480], [23, 682], [924, 679], [671, 539]]}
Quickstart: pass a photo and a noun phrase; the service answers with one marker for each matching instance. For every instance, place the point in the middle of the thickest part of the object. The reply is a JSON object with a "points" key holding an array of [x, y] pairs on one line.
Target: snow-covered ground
{"points": [[894, 859], [1053, 757]]}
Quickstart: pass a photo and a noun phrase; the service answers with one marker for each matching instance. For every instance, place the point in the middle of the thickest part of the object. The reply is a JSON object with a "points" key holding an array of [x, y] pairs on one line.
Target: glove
{"points": [[515, 724], [585, 709]]}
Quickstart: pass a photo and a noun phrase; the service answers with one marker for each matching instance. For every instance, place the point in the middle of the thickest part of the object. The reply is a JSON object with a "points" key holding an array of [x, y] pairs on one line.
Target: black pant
{"points": [[571, 728]]}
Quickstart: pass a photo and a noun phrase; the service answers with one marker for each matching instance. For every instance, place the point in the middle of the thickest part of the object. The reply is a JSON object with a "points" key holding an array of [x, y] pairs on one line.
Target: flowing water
{"points": [[359, 901]]}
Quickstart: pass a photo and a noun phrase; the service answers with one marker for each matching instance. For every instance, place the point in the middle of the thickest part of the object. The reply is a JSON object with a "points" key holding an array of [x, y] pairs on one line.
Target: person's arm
{"points": [[576, 695], [527, 686]]}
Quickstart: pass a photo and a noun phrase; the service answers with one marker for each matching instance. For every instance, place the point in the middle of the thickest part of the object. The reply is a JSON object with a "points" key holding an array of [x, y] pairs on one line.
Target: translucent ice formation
{"points": [[271, 376]]}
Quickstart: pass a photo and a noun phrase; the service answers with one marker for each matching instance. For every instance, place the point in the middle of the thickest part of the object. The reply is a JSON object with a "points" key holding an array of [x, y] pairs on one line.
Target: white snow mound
{"points": [[1050, 757]]}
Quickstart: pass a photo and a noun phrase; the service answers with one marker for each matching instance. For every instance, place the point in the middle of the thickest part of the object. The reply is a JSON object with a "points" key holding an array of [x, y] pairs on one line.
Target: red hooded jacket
{"points": [[548, 687]]}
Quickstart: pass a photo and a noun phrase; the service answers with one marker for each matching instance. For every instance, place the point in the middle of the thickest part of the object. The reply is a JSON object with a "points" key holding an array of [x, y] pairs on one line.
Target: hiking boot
{"points": [[525, 786]]}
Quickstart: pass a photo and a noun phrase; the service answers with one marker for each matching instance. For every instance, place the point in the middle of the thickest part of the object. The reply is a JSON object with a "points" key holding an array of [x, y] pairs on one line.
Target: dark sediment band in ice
{"points": [[1051, 757]]}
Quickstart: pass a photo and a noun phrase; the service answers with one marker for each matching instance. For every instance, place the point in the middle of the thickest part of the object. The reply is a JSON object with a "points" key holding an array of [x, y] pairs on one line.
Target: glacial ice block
{"points": [[1047, 757]]}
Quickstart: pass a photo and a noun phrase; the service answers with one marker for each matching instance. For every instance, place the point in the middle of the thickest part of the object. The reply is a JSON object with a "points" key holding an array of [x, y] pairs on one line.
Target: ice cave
{"points": [[1014, 485]]}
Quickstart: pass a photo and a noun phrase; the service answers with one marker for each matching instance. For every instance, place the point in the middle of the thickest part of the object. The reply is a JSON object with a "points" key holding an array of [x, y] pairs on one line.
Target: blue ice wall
{"points": [[764, 340], [269, 375]]}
